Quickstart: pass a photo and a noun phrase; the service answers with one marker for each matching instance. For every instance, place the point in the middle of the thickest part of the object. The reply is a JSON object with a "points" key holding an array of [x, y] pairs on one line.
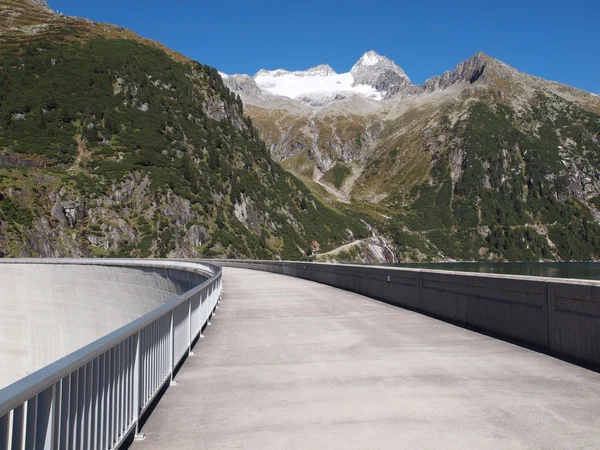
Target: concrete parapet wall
{"points": [[558, 316], [49, 310], [574, 319]]}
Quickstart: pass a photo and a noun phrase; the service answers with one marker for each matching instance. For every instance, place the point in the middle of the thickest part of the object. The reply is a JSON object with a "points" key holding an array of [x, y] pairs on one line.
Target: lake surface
{"points": [[586, 271]]}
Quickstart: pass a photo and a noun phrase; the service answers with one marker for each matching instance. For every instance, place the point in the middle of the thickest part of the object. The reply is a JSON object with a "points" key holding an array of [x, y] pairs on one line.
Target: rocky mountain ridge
{"points": [[380, 72], [373, 76], [390, 80], [483, 134]]}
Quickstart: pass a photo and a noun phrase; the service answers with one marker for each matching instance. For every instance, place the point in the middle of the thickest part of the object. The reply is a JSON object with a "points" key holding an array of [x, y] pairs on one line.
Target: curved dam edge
{"points": [[556, 316], [53, 307]]}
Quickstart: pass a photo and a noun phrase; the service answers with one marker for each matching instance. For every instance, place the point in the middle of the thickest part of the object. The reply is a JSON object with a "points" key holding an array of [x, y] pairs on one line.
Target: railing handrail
{"points": [[20, 391], [505, 276]]}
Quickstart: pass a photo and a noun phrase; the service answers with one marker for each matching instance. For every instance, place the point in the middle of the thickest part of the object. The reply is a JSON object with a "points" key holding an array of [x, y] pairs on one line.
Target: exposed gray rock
{"points": [[68, 212], [215, 109], [44, 240], [242, 83], [196, 235], [58, 212], [74, 211], [41, 4], [124, 192], [179, 210], [391, 83], [478, 68], [248, 214], [373, 69]]}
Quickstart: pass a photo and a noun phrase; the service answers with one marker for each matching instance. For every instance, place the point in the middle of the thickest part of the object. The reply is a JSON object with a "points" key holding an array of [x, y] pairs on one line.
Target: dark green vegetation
{"points": [[336, 175], [522, 190], [13, 215], [120, 150]]}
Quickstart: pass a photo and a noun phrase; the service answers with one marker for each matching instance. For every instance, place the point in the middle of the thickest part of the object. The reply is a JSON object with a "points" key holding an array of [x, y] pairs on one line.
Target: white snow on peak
{"points": [[271, 73], [371, 65], [322, 70], [321, 84], [371, 58], [303, 86]]}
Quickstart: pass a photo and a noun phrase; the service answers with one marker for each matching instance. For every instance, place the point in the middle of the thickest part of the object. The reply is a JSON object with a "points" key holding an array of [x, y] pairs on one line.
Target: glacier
{"points": [[297, 86]]}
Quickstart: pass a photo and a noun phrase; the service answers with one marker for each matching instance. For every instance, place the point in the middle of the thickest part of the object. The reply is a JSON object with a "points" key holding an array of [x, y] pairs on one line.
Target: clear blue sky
{"points": [[552, 39]]}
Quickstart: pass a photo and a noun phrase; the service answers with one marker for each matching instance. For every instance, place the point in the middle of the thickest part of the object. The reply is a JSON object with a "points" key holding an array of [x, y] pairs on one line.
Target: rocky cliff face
{"points": [[242, 83], [380, 72]]}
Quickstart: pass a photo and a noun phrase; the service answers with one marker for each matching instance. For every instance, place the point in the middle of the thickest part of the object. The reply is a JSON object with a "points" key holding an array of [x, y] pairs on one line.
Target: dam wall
{"points": [[561, 317], [50, 308]]}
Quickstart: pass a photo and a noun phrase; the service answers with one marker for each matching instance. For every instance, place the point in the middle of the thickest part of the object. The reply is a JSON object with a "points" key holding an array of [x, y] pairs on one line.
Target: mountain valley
{"points": [[480, 163], [114, 145]]}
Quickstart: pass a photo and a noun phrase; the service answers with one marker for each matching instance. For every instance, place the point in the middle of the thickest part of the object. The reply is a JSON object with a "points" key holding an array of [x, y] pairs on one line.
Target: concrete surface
{"points": [[555, 315], [290, 363], [48, 310]]}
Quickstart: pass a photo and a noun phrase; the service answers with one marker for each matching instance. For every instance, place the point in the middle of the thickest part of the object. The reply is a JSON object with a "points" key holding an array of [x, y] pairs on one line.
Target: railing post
{"points": [[137, 376], [190, 335], [4, 430], [172, 350], [42, 426], [211, 306], [202, 308], [218, 294]]}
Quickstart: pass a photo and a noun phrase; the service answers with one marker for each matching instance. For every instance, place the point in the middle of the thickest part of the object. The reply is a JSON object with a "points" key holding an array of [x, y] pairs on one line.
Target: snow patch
{"points": [[271, 73], [368, 59], [319, 84], [371, 78]]}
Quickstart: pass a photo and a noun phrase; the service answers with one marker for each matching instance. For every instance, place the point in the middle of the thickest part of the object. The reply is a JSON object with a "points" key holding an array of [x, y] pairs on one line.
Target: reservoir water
{"points": [[577, 270]]}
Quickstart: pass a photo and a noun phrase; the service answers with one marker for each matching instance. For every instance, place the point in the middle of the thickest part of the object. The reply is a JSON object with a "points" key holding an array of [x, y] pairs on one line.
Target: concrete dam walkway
{"points": [[290, 363]]}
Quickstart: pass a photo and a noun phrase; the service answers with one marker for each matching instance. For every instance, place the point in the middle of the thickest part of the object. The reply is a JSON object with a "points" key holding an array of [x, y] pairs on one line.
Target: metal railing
{"points": [[94, 397]]}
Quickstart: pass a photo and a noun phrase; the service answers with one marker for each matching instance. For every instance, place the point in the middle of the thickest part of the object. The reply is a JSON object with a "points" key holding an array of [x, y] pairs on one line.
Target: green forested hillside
{"points": [[112, 147], [525, 186]]}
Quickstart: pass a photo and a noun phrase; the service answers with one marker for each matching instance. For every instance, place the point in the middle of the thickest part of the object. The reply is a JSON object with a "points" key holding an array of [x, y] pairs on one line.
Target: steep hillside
{"points": [[111, 145], [481, 163]]}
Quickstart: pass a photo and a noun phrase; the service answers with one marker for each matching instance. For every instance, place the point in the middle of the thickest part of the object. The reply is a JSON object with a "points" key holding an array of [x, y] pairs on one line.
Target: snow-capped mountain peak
{"points": [[322, 70], [271, 73], [371, 66], [371, 77], [371, 58]]}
